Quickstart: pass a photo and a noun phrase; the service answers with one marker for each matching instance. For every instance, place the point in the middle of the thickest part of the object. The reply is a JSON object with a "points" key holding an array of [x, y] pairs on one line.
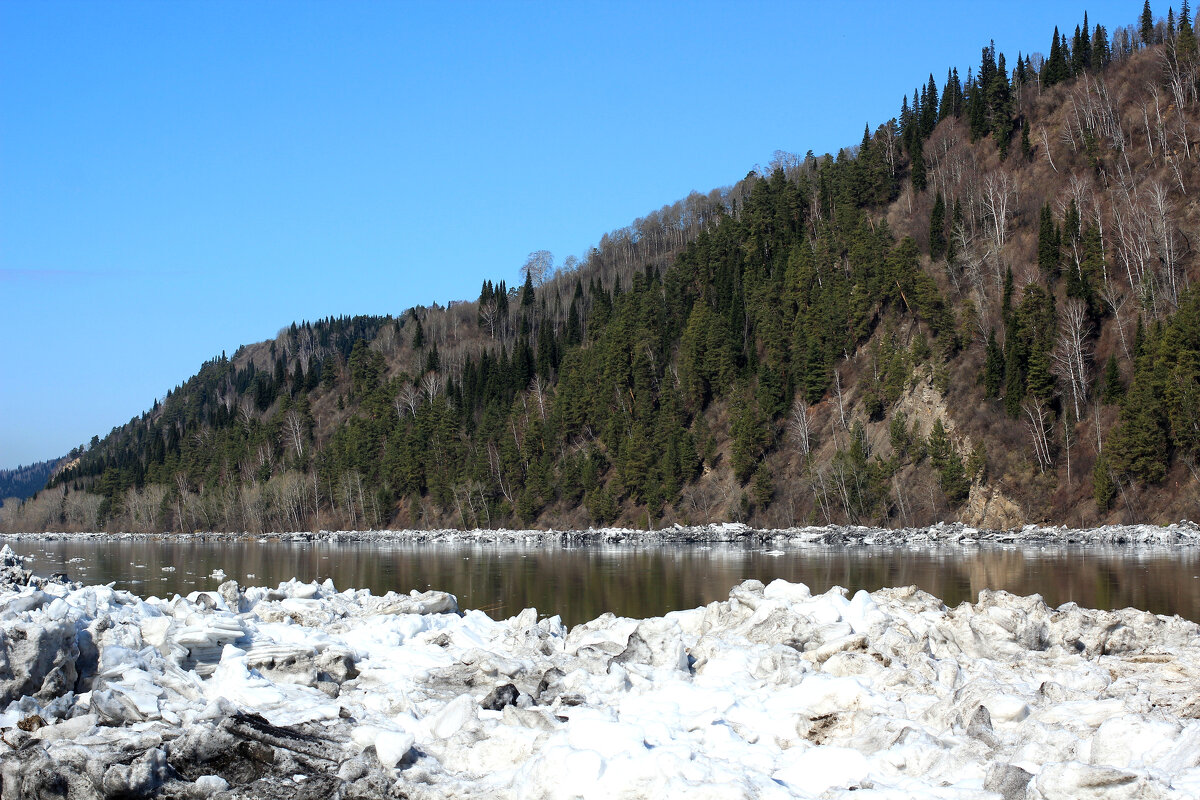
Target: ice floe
{"points": [[1184, 532], [303, 690]]}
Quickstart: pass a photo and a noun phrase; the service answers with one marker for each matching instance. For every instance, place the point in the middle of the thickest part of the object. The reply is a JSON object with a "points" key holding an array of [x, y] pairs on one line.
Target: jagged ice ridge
{"points": [[305, 691]]}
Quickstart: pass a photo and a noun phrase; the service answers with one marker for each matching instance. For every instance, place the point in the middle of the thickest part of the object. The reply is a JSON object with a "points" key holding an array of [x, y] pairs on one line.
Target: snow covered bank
{"points": [[1183, 532], [303, 691]]}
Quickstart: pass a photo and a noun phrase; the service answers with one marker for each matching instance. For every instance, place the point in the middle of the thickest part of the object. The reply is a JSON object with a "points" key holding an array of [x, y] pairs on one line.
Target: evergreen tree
{"points": [[993, 367], [1100, 50], [947, 462], [917, 174], [1138, 447], [1111, 389], [1080, 49], [1147, 25], [999, 97], [1103, 488], [929, 108], [1056, 69], [937, 228], [951, 104], [1049, 245], [433, 362], [1185, 44], [977, 109]]}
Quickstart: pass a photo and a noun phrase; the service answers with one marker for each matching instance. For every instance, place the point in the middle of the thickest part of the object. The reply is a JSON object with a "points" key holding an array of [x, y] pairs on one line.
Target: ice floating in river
{"points": [[218, 574], [773, 693]]}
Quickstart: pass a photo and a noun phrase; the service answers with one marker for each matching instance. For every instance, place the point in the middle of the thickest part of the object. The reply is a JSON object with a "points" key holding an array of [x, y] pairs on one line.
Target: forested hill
{"points": [[25, 481], [985, 310]]}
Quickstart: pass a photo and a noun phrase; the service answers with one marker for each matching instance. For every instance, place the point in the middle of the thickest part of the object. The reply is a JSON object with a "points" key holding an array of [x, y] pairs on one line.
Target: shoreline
{"points": [[1182, 533]]}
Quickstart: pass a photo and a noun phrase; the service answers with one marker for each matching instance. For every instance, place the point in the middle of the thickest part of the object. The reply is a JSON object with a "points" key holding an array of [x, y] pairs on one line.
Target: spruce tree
{"points": [[1103, 488], [1185, 44], [918, 167], [1147, 25], [999, 97], [1056, 68], [1048, 244], [993, 367], [937, 228], [929, 108], [1100, 52], [1111, 388], [946, 107]]}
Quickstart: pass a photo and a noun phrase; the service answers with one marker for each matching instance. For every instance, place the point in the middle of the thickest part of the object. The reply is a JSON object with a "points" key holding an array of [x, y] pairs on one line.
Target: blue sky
{"points": [[180, 178]]}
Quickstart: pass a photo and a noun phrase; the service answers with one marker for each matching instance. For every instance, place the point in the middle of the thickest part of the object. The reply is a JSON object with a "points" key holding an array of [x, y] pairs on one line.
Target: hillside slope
{"points": [[984, 311], [25, 481]]}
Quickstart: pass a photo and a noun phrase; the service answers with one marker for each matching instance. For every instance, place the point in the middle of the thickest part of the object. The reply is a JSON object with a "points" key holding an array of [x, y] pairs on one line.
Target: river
{"points": [[579, 583]]}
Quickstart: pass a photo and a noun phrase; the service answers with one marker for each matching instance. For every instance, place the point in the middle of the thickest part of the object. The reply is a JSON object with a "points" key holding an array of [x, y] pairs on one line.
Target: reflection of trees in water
{"points": [[580, 583]]}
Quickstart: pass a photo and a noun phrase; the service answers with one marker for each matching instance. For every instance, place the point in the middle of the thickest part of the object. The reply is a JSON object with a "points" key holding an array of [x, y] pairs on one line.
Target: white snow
{"points": [[772, 693]]}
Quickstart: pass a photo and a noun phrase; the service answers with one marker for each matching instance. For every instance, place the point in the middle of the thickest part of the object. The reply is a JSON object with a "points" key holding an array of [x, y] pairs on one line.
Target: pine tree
{"points": [[1056, 69], [929, 108], [947, 462], [1185, 45], [993, 367], [1111, 389], [956, 222], [1147, 25], [937, 228], [1103, 488], [999, 97], [1100, 51], [1139, 445], [1081, 48], [1049, 246], [906, 122], [977, 110], [918, 167]]}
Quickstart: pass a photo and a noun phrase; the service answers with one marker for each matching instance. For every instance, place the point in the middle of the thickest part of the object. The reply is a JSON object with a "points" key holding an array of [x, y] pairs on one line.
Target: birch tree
{"points": [[1071, 354], [800, 425]]}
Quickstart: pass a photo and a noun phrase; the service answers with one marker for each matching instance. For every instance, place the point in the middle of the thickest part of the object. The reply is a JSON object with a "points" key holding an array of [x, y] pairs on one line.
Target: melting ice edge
{"points": [[302, 691]]}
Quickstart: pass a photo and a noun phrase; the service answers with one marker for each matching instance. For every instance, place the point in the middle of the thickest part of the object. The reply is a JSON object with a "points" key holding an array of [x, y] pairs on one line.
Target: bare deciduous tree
{"points": [[1071, 353], [1037, 421], [432, 385], [408, 399], [489, 315], [800, 425], [999, 195], [293, 428], [538, 388], [537, 267]]}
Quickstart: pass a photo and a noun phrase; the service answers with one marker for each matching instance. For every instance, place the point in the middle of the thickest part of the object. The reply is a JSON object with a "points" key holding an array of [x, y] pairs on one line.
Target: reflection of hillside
{"points": [[991, 568], [580, 583]]}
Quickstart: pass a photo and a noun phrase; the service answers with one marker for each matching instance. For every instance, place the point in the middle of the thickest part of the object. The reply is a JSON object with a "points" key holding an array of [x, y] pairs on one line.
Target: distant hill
{"points": [[24, 482], [986, 310]]}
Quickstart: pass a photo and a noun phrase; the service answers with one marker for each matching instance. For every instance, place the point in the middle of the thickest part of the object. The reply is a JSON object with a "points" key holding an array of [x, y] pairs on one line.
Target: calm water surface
{"points": [[580, 583]]}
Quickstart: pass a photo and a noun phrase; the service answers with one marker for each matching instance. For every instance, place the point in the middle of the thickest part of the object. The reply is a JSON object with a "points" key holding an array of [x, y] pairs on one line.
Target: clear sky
{"points": [[180, 178]]}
